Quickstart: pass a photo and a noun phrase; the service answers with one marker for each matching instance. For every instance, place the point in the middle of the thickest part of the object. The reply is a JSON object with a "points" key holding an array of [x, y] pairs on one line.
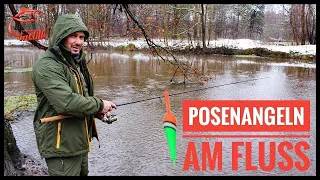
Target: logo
{"points": [[27, 16]]}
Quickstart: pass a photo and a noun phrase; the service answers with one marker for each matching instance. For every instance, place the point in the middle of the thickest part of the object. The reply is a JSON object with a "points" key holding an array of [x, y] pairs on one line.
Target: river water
{"points": [[135, 145]]}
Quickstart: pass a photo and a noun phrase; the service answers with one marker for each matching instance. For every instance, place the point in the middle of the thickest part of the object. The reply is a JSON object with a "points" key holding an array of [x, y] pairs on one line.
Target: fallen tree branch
{"points": [[7, 115]]}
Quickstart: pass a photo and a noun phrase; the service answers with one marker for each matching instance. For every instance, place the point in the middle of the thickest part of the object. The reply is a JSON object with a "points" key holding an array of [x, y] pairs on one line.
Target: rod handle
{"points": [[53, 118]]}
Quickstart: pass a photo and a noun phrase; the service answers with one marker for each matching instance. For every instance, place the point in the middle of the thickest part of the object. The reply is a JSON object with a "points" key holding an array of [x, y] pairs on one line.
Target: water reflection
{"points": [[136, 144], [140, 72]]}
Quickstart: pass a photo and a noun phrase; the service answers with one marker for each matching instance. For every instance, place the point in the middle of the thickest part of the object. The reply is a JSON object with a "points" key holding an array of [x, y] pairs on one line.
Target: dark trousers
{"points": [[68, 166]]}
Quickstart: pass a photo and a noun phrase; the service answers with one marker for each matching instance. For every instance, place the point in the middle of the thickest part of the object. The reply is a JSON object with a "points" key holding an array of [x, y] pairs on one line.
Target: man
{"points": [[64, 88]]}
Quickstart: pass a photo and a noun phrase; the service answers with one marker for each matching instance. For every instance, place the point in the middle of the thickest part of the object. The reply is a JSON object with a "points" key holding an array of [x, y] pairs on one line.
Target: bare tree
{"points": [[196, 27], [303, 23], [203, 27], [210, 17], [311, 24]]}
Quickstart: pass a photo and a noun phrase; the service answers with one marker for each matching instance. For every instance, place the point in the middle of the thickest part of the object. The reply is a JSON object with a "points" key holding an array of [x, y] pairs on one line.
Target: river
{"points": [[135, 145]]}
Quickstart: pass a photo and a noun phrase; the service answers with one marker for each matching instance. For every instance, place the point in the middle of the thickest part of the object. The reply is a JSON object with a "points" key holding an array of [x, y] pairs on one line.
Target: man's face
{"points": [[74, 42]]}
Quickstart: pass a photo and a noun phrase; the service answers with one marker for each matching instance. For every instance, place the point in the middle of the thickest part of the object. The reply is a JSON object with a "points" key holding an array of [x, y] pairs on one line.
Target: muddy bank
{"points": [[30, 166]]}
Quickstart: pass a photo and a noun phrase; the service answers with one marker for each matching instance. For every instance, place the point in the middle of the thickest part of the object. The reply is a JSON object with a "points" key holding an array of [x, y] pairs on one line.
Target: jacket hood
{"points": [[65, 25]]}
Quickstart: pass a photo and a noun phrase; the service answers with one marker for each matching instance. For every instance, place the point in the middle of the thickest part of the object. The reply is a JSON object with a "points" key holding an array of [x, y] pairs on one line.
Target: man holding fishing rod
{"points": [[64, 122]]}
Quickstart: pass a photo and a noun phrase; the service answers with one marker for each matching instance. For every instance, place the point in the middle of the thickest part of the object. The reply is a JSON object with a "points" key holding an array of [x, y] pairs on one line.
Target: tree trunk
{"points": [[195, 28], [303, 29], [13, 159], [292, 23], [211, 9], [165, 28], [203, 25], [175, 22], [310, 24]]}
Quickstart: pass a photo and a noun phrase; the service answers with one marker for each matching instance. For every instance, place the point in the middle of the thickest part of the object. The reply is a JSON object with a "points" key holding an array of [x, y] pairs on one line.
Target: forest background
{"points": [[287, 24]]}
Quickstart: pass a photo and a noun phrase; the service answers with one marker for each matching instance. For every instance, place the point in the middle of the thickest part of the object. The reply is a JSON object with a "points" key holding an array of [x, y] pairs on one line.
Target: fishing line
{"points": [[183, 92], [111, 118]]}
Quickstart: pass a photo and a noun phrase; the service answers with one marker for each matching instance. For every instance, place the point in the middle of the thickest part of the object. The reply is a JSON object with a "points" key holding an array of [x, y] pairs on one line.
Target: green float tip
{"points": [[174, 163]]}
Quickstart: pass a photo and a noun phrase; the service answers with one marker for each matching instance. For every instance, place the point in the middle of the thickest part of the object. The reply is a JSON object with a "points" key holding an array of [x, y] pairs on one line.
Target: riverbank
{"points": [[220, 46], [25, 164], [32, 167]]}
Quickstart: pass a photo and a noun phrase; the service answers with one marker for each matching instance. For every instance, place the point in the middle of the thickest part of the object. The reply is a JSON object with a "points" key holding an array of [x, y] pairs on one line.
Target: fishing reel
{"points": [[109, 118]]}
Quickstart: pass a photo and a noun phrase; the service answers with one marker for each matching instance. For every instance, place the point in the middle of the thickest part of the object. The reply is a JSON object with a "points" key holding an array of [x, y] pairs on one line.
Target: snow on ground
{"points": [[291, 64], [230, 43], [16, 42]]}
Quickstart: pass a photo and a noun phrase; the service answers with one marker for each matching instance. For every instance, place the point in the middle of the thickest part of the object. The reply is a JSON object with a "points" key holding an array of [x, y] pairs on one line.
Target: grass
{"points": [[13, 104], [12, 70]]}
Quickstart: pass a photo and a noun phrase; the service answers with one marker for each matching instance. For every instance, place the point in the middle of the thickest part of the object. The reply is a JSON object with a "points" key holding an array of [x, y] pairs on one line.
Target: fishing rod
{"points": [[109, 118], [183, 92]]}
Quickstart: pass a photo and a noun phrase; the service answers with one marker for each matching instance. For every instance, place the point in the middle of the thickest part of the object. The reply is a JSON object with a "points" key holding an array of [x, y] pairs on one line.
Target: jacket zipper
{"points": [[75, 77], [85, 120], [78, 78]]}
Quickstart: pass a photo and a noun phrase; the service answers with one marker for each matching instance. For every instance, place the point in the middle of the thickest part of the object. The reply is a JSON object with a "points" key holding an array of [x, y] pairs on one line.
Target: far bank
{"points": [[230, 47]]}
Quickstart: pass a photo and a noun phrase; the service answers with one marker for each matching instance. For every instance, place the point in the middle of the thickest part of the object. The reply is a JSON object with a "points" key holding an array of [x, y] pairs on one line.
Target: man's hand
{"points": [[107, 107], [100, 115]]}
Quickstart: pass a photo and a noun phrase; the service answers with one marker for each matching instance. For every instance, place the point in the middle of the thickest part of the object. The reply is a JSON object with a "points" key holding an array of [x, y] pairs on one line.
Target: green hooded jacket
{"points": [[59, 91]]}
